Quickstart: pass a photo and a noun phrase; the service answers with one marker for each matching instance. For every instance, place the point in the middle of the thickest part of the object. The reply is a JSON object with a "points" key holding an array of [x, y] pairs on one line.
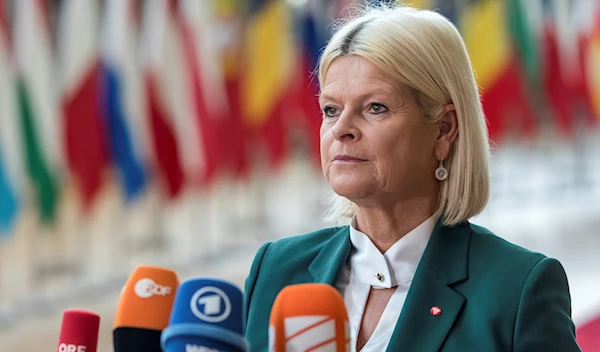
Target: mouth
{"points": [[347, 159]]}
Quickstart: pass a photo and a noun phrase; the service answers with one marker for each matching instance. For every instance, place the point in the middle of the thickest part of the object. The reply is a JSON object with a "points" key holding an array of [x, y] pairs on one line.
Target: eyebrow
{"points": [[365, 96]]}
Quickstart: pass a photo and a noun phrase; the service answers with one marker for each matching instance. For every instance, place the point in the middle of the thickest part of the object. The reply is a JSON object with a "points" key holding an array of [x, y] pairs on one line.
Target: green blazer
{"points": [[494, 295]]}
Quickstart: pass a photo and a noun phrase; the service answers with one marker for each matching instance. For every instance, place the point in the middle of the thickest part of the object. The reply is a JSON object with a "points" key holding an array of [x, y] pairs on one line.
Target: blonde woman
{"points": [[404, 147]]}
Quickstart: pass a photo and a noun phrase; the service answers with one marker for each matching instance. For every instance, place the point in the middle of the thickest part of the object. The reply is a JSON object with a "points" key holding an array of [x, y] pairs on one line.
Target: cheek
{"points": [[325, 144]]}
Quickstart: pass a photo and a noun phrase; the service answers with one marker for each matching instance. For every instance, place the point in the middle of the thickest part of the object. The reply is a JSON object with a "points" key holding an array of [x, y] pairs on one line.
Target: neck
{"points": [[386, 225]]}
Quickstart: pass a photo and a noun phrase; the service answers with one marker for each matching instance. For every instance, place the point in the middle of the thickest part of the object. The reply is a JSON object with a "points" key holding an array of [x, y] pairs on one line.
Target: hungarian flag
{"points": [[37, 102], [121, 94], [169, 113], [85, 130], [9, 143], [498, 73], [269, 54]]}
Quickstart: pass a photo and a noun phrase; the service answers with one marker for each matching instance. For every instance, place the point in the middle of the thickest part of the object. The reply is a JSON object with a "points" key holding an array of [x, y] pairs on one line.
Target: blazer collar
{"points": [[334, 254]]}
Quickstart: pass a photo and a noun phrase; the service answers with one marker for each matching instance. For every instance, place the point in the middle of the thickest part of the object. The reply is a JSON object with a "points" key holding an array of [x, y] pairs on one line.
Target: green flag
{"points": [[525, 36], [36, 165], [36, 91]]}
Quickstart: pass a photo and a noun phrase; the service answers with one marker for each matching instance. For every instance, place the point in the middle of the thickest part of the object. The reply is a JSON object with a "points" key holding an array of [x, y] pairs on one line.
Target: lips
{"points": [[347, 158]]}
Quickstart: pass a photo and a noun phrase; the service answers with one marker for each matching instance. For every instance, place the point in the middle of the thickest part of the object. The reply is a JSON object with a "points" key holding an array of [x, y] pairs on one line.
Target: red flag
{"points": [[159, 81], [85, 130], [163, 139]]}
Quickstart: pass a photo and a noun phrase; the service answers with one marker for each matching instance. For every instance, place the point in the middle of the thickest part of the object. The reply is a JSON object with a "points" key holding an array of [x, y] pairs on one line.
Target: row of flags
{"points": [[180, 91], [533, 60]]}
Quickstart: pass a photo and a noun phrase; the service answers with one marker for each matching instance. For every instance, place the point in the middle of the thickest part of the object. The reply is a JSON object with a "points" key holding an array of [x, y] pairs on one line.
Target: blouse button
{"points": [[380, 277]]}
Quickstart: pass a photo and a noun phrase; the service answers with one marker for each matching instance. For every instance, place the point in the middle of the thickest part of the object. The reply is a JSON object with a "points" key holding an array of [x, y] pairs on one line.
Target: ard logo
{"points": [[210, 304]]}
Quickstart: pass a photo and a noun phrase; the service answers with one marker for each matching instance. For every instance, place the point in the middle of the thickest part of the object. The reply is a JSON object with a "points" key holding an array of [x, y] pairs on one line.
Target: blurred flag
{"points": [[37, 101], [588, 335], [86, 140], [163, 73], [593, 59], [121, 94], [228, 34], [525, 22], [269, 55], [313, 22], [8, 201], [498, 74], [564, 75], [8, 130], [586, 20], [205, 83]]}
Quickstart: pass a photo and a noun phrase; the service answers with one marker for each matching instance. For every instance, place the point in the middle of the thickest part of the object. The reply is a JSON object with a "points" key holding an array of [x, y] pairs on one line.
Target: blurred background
{"points": [[184, 133]]}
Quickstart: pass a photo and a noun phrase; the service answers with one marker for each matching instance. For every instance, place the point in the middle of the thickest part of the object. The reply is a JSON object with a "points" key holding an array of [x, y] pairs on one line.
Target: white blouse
{"points": [[367, 267]]}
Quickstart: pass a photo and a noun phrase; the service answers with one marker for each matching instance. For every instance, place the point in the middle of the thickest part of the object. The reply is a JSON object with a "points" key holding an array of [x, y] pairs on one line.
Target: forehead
{"points": [[355, 75]]}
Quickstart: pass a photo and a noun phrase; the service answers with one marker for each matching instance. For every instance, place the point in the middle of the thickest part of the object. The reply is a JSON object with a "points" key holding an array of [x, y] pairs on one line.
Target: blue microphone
{"points": [[207, 315]]}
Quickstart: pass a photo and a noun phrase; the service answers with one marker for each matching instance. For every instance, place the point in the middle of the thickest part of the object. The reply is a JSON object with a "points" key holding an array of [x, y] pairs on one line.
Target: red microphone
{"points": [[79, 331]]}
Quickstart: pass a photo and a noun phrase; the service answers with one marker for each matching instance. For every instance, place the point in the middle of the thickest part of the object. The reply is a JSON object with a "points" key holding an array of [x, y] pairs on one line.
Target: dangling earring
{"points": [[441, 173]]}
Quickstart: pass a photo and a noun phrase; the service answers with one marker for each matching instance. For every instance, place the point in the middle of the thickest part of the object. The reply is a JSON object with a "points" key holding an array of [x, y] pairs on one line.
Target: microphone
{"points": [[79, 331], [309, 317], [144, 309], [207, 316]]}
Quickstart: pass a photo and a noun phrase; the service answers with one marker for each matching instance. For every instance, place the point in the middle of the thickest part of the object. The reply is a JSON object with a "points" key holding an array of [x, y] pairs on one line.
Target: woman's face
{"points": [[375, 142]]}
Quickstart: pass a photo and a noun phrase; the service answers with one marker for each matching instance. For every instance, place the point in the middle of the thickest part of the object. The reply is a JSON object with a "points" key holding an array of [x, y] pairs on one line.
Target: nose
{"points": [[345, 128]]}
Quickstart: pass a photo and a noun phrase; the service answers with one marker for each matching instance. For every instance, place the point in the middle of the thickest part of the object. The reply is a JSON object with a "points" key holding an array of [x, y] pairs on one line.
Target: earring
{"points": [[441, 173]]}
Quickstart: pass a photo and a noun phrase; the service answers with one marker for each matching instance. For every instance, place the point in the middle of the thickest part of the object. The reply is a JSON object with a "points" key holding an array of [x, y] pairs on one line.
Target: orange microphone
{"points": [[144, 309], [309, 317]]}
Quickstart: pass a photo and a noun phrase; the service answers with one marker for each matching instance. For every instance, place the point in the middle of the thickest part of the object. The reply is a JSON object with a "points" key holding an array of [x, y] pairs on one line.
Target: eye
{"points": [[329, 111], [377, 108]]}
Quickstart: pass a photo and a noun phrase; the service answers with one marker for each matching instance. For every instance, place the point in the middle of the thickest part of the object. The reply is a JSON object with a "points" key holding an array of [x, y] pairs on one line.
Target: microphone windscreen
{"points": [[309, 317], [144, 309], [207, 315], [79, 331]]}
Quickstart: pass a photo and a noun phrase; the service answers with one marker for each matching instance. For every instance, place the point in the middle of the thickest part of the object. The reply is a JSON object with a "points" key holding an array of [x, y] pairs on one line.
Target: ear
{"points": [[448, 131]]}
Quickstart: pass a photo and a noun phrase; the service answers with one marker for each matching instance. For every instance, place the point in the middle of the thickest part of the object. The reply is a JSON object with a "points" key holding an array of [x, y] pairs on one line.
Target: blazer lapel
{"points": [[444, 263], [328, 263]]}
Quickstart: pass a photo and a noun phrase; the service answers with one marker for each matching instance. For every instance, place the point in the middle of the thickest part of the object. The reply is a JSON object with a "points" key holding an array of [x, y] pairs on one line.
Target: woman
{"points": [[404, 146]]}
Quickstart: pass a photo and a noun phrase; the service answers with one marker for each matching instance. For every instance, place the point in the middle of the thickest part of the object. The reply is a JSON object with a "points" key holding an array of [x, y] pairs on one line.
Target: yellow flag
{"points": [[484, 32], [269, 55]]}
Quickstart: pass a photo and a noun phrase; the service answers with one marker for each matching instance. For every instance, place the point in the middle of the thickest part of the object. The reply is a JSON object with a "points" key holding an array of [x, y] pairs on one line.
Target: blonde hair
{"points": [[423, 50]]}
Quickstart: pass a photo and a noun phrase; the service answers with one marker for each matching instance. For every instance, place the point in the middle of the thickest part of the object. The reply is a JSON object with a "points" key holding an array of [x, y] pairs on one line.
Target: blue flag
{"points": [[131, 171]]}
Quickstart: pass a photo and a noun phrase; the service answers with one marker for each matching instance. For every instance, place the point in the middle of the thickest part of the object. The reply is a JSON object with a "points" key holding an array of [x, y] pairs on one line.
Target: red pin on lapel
{"points": [[435, 311]]}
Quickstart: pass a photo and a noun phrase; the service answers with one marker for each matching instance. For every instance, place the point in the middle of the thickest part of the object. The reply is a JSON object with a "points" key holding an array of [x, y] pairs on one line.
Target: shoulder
{"points": [[308, 244], [488, 248], [509, 269], [294, 252]]}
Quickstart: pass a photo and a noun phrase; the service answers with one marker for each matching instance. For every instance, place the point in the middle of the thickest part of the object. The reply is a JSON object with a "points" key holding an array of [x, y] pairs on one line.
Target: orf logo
{"points": [[146, 288], [63, 347], [210, 304]]}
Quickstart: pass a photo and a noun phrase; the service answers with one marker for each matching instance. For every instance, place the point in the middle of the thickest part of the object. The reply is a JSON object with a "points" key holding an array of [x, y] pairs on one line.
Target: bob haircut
{"points": [[423, 50]]}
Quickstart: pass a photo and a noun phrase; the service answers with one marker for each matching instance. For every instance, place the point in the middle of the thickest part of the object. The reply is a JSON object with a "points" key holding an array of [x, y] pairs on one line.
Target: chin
{"points": [[352, 189]]}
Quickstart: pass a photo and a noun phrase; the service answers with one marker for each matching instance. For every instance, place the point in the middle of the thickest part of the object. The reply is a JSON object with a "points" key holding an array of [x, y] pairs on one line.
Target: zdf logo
{"points": [[210, 304], [146, 288], [63, 347]]}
